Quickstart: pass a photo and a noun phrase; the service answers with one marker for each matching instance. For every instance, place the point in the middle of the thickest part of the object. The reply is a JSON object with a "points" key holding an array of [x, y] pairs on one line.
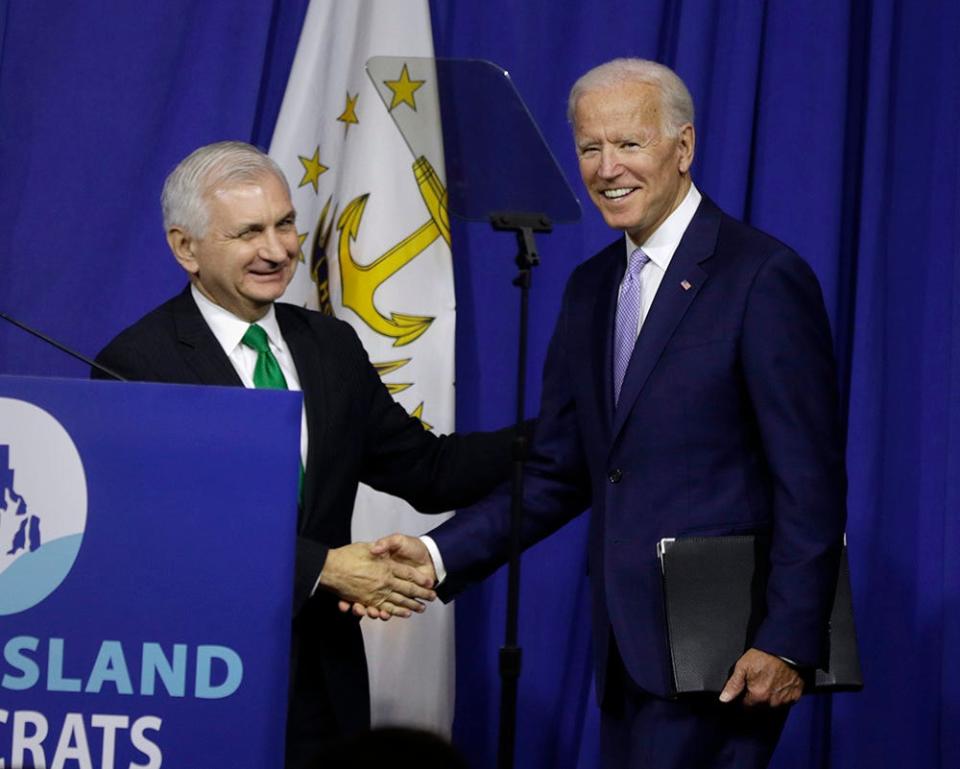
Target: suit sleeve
{"points": [[389, 450], [433, 473], [474, 543], [789, 368]]}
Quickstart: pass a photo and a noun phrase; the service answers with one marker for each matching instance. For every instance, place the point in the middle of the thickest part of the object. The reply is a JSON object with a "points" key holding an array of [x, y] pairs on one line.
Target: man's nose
{"points": [[609, 164], [272, 248]]}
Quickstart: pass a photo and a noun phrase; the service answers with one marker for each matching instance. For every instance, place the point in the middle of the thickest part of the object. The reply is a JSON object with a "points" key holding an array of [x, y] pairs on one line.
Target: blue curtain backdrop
{"points": [[834, 126]]}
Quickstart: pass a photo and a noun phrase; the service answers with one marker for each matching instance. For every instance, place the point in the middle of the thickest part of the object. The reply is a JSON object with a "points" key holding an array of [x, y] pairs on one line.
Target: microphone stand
{"points": [[523, 225], [63, 348]]}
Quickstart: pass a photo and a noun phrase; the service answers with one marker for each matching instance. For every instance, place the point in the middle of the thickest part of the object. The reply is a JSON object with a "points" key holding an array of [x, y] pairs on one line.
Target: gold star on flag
{"points": [[312, 169], [349, 114], [403, 89], [417, 413], [301, 239]]}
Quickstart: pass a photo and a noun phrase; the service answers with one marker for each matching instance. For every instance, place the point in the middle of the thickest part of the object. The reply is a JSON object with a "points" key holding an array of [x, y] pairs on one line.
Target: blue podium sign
{"points": [[147, 539]]}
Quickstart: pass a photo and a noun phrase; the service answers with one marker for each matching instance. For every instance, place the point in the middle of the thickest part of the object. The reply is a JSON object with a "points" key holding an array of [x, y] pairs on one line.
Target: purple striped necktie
{"points": [[628, 319]]}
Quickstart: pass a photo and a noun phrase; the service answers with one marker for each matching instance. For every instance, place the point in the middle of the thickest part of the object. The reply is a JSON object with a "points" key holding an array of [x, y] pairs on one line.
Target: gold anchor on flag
{"points": [[360, 282]]}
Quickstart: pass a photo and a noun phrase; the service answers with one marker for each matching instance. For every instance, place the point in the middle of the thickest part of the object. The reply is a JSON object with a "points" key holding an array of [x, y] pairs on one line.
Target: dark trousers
{"points": [[329, 689], [641, 731]]}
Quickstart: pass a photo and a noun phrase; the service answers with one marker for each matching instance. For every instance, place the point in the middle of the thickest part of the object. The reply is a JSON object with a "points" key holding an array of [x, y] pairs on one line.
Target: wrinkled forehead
{"points": [[253, 197], [626, 105]]}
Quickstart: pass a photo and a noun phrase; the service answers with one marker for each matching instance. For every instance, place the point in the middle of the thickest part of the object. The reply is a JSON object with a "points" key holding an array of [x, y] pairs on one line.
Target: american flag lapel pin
{"points": [[686, 285]]}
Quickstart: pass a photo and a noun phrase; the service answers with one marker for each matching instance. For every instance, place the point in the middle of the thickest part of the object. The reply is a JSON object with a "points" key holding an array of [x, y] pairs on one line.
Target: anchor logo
{"points": [[360, 282]]}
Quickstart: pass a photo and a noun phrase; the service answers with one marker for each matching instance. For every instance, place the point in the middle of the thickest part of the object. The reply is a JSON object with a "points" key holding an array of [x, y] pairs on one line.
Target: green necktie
{"points": [[267, 375]]}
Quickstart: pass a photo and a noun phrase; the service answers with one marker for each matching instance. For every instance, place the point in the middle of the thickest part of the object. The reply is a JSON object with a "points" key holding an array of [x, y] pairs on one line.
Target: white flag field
{"points": [[375, 249]]}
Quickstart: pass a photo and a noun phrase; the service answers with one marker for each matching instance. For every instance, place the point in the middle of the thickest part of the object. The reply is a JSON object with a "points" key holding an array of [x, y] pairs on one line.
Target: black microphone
{"points": [[63, 348]]}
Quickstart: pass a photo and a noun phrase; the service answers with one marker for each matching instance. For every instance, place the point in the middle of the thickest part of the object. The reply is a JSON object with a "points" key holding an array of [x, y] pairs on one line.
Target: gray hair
{"points": [[184, 193], [676, 101]]}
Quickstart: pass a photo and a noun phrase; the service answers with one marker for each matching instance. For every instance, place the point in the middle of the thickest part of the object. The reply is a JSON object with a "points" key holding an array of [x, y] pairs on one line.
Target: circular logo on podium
{"points": [[43, 505]]}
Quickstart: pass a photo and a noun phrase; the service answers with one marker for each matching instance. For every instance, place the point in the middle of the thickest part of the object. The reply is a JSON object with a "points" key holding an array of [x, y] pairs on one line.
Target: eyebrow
{"points": [[258, 226], [642, 136]]}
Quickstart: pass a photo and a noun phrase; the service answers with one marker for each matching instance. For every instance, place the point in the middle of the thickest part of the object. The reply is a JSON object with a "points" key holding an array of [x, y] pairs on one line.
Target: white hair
{"points": [[184, 196], [675, 98]]}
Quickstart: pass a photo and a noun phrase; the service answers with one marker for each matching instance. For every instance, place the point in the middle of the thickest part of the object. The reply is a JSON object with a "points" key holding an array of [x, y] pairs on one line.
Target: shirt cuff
{"points": [[435, 557]]}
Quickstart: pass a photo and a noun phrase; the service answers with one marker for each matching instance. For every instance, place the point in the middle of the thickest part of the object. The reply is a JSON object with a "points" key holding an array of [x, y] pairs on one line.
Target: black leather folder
{"points": [[714, 594]]}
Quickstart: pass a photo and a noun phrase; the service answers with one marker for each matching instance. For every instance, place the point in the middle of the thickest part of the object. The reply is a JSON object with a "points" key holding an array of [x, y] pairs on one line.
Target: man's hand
{"points": [[406, 553], [763, 680], [380, 586]]}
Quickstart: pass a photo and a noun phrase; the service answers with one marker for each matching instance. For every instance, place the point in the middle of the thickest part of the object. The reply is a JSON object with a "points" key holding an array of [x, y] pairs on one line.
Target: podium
{"points": [[146, 568]]}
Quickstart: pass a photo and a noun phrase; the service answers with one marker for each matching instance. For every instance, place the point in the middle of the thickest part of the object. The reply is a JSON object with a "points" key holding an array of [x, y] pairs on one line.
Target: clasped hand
{"points": [[381, 580]]}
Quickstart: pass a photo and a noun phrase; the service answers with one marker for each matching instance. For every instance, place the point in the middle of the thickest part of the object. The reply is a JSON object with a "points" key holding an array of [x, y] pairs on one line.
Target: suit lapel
{"points": [[308, 357], [670, 305], [201, 351]]}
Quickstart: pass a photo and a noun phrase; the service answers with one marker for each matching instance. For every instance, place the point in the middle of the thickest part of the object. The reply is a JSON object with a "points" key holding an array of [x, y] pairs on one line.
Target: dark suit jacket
{"points": [[727, 423], [356, 433]]}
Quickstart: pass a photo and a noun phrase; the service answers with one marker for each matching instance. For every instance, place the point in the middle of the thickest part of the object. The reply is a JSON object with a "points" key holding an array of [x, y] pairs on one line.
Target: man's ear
{"points": [[686, 142], [182, 244]]}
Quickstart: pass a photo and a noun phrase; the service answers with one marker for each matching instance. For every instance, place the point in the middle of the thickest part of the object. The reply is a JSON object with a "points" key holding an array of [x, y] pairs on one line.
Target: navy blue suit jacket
{"points": [[726, 423]]}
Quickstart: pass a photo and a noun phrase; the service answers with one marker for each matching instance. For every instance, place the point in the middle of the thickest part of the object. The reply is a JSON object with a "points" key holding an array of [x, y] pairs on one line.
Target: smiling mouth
{"points": [[266, 267], [266, 274], [620, 192]]}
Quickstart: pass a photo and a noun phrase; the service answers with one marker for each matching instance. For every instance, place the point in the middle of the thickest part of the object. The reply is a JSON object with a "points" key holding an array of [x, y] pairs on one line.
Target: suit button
{"points": [[615, 475]]}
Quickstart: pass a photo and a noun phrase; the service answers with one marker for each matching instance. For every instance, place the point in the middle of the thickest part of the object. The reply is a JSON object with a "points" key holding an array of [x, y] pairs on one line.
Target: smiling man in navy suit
{"points": [[690, 388]]}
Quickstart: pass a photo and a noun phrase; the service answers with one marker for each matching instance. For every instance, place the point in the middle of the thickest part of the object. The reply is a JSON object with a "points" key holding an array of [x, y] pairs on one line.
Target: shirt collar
{"points": [[228, 328], [663, 243]]}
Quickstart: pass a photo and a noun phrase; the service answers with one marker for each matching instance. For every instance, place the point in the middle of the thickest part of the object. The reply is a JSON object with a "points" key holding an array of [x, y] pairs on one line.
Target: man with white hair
{"points": [[689, 389], [230, 224]]}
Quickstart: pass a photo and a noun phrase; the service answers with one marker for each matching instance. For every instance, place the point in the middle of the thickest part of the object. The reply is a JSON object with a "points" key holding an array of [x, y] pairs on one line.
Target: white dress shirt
{"points": [[229, 331], [660, 247]]}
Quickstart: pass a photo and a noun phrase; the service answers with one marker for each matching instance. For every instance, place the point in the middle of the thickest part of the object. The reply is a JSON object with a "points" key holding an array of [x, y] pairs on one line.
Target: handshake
{"points": [[391, 577]]}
